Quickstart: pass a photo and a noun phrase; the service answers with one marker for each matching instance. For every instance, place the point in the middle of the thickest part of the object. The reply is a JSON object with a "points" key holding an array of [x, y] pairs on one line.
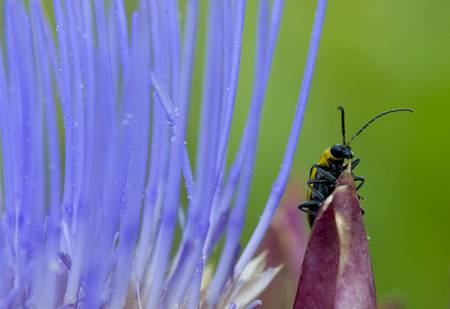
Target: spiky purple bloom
{"points": [[93, 121]]}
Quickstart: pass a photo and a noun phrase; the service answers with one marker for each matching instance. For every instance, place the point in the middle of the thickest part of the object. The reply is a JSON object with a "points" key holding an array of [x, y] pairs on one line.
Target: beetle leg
{"points": [[324, 172], [310, 183], [355, 163], [322, 180], [316, 192], [310, 207], [359, 178]]}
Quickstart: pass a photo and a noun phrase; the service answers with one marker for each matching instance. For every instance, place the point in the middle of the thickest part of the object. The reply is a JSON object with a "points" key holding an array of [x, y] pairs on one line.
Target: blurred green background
{"points": [[374, 55]]}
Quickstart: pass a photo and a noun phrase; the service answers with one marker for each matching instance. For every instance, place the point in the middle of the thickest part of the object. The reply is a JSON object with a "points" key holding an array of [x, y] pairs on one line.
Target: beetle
{"points": [[333, 161]]}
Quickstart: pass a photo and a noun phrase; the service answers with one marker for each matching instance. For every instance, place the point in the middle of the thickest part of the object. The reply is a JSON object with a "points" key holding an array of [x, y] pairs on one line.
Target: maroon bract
{"points": [[336, 270]]}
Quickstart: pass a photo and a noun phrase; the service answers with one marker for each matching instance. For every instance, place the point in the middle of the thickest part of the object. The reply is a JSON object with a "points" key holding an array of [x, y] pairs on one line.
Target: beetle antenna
{"points": [[342, 124], [376, 117]]}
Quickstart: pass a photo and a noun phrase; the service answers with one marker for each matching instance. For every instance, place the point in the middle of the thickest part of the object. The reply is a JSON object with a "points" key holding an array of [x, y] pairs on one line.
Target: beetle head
{"points": [[340, 151]]}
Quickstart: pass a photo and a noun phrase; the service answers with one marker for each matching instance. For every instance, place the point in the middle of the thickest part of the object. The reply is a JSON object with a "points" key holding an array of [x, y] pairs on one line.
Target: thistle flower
{"points": [[95, 166]]}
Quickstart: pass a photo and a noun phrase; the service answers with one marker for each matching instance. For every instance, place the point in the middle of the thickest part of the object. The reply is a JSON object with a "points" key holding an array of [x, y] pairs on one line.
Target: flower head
{"points": [[93, 118]]}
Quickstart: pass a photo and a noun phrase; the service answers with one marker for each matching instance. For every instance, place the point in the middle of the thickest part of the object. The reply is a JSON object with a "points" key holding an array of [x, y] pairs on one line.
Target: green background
{"points": [[374, 55]]}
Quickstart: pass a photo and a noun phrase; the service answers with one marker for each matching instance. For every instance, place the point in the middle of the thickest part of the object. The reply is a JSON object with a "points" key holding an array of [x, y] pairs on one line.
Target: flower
{"points": [[336, 270], [96, 176]]}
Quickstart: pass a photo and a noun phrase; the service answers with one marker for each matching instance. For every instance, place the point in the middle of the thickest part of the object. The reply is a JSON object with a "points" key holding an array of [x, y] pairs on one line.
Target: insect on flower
{"points": [[333, 161]]}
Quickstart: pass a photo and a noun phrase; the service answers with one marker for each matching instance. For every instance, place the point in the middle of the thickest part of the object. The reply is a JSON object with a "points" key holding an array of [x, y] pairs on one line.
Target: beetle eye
{"points": [[337, 151]]}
